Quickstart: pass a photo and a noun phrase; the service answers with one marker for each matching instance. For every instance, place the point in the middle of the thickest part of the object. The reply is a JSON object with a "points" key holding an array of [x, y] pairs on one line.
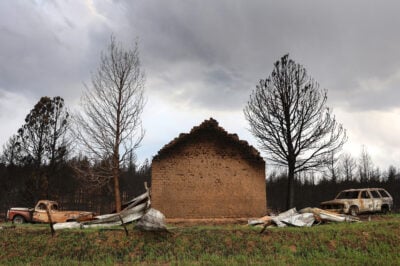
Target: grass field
{"points": [[366, 243]]}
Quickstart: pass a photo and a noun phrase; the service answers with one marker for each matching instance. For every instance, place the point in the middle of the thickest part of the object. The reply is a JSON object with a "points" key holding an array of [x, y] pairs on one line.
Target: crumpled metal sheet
{"points": [[304, 218], [284, 215], [137, 209], [328, 216], [301, 220]]}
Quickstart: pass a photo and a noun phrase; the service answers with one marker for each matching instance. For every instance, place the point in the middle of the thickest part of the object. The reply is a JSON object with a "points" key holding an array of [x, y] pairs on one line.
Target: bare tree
{"points": [[391, 175], [11, 151], [288, 115], [59, 125], [110, 127], [348, 166], [365, 166], [332, 167]]}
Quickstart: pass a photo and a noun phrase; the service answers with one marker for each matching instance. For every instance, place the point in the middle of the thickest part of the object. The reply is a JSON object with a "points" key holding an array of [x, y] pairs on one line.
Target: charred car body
{"points": [[355, 201], [44, 211]]}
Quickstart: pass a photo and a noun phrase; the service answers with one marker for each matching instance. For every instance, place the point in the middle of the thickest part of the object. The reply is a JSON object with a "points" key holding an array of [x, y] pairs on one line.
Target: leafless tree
{"points": [[11, 151], [59, 127], [348, 166], [365, 166], [288, 115], [110, 127], [332, 167], [391, 174]]}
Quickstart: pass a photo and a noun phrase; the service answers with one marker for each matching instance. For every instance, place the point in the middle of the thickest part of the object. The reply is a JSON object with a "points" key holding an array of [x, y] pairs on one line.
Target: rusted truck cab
{"points": [[45, 207], [355, 201], [44, 211]]}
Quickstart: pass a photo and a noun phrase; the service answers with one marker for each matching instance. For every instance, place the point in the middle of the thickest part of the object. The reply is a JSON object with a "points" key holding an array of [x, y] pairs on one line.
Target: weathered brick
{"points": [[209, 173]]}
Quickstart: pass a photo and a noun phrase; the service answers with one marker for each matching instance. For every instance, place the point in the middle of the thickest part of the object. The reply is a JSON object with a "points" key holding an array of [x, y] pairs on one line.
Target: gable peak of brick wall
{"points": [[210, 125]]}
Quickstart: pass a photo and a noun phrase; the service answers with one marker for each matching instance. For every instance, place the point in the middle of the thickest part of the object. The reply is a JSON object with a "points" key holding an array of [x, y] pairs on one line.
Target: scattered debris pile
{"points": [[304, 218], [138, 209]]}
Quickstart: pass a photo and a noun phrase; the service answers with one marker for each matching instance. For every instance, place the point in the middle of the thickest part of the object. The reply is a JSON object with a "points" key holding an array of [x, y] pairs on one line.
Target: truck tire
{"points": [[18, 219], [353, 211]]}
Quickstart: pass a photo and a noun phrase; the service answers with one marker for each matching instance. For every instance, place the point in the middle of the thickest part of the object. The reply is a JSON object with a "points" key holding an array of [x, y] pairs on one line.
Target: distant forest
{"points": [[24, 185], [310, 190]]}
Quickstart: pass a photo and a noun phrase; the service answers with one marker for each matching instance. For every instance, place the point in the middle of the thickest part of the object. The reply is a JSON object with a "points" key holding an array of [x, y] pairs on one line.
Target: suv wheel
{"points": [[353, 210], [385, 209]]}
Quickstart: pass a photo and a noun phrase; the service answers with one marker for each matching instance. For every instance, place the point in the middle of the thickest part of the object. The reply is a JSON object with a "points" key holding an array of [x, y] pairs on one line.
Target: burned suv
{"points": [[355, 201]]}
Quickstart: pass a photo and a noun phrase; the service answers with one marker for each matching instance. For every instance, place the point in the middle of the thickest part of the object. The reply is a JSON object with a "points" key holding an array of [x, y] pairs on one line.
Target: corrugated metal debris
{"points": [[138, 209], [304, 218]]}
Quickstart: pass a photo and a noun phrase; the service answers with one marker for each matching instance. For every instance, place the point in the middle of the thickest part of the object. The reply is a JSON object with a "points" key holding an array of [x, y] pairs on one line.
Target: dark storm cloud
{"points": [[45, 49], [203, 58], [206, 53], [341, 43]]}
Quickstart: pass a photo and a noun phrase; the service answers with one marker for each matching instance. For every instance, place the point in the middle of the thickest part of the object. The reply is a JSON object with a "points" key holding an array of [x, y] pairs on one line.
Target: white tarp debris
{"points": [[67, 225]]}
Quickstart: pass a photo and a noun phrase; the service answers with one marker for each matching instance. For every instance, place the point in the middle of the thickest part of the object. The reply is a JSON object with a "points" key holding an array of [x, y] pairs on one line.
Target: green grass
{"points": [[366, 243]]}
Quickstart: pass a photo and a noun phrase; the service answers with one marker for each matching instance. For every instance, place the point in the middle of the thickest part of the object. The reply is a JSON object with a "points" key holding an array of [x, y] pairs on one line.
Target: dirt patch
{"points": [[293, 248], [214, 221], [374, 217], [332, 245]]}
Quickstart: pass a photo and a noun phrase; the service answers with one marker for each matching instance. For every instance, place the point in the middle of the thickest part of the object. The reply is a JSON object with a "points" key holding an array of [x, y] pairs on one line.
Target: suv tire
{"points": [[385, 209], [353, 211]]}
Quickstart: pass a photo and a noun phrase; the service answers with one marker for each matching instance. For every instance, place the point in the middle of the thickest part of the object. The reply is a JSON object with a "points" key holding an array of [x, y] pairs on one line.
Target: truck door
{"points": [[40, 213]]}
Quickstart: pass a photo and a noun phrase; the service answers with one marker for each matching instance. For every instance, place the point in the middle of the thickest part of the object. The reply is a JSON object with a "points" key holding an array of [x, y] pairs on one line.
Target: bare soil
{"points": [[214, 221]]}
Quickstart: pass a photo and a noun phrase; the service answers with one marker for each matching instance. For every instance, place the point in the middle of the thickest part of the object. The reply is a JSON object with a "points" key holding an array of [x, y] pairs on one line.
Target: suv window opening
{"points": [[375, 194], [365, 195], [348, 195], [383, 193]]}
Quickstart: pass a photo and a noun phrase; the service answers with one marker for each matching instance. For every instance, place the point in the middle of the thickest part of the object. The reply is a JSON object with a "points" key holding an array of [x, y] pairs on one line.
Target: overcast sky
{"points": [[203, 58]]}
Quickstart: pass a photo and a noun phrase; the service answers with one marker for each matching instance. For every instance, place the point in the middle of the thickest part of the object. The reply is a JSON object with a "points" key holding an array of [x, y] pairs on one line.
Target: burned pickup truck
{"points": [[355, 201], [44, 211]]}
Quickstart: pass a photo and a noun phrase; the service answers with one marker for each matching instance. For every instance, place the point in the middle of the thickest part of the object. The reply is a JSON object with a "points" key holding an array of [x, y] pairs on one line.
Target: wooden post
{"points": [[50, 220], [122, 222], [148, 190]]}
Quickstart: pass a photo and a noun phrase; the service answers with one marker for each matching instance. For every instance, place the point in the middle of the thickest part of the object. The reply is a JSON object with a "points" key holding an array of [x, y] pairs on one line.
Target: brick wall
{"points": [[208, 179]]}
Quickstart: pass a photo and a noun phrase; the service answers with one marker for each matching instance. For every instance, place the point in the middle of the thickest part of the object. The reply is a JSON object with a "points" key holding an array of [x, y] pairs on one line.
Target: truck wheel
{"points": [[18, 219], [353, 210]]}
